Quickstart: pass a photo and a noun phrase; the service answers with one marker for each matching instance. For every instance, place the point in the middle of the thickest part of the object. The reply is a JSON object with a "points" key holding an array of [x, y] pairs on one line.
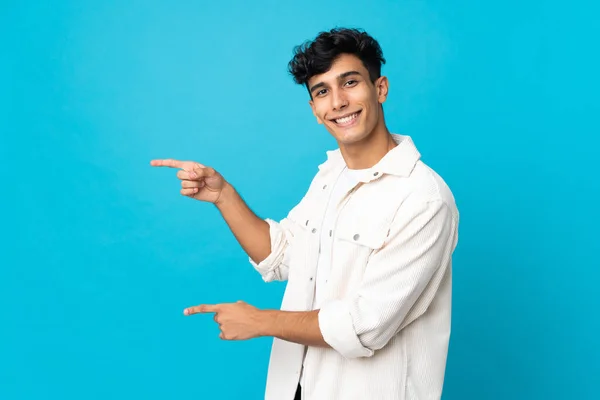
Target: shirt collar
{"points": [[399, 161]]}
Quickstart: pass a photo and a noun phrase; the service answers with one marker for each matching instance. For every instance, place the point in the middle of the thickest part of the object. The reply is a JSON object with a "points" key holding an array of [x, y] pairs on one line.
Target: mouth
{"points": [[346, 120]]}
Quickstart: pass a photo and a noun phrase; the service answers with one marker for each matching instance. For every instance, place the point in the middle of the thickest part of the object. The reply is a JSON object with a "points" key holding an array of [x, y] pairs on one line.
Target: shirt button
{"points": [[376, 173], [356, 236], [324, 186], [311, 278], [330, 232], [314, 230], [306, 222]]}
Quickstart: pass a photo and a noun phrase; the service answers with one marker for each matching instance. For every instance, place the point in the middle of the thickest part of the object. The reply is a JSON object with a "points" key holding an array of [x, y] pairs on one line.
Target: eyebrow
{"points": [[339, 77]]}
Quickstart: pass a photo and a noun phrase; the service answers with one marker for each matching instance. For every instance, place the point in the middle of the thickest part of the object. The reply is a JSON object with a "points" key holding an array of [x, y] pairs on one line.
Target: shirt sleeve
{"points": [[400, 281], [276, 266]]}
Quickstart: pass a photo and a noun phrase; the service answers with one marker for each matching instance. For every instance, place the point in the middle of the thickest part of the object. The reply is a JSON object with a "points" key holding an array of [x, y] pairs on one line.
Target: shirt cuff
{"points": [[338, 331], [269, 267]]}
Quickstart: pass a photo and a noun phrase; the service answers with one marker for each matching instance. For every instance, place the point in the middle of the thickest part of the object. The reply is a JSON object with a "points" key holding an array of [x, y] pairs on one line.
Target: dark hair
{"points": [[316, 57]]}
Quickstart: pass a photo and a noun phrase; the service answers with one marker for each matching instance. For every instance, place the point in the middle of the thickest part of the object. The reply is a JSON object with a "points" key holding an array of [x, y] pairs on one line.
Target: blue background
{"points": [[100, 254]]}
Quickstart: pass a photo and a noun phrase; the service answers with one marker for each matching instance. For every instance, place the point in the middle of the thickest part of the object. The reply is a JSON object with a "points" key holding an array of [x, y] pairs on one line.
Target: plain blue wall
{"points": [[100, 253]]}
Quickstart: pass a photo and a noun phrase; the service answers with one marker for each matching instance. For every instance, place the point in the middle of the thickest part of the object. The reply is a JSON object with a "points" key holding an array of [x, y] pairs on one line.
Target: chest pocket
{"points": [[364, 231], [362, 228]]}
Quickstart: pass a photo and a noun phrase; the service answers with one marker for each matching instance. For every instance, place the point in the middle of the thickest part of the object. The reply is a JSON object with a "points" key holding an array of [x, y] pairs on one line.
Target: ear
{"points": [[382, 86], [314, 111]]}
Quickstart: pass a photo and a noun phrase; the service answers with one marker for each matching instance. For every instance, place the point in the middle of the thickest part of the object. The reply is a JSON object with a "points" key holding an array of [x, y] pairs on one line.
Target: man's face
{"points": [[346, 101]]}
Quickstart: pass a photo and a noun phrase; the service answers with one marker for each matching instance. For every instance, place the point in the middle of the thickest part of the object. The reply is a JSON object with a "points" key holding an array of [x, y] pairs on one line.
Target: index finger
{"points": [[167, 163], [201, 309]]}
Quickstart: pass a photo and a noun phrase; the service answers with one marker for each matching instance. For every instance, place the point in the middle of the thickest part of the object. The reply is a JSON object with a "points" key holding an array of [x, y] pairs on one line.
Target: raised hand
{"points": [[205, 184], [197, 181]]}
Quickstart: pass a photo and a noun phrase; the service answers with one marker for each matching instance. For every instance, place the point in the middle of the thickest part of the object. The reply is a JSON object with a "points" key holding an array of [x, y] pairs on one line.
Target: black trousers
{"points": [[298, 393]]}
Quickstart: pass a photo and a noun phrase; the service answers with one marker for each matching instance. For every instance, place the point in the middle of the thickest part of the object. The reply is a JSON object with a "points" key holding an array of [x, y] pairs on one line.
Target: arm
{"points": [[205, 184], [393, 293], [251, 232], [395, 279], [400, 281], [265, 241], [298, 327], [241, 321]]}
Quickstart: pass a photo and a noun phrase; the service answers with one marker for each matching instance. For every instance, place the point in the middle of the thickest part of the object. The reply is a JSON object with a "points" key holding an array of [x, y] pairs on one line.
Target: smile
{"points": [[347, 120]]}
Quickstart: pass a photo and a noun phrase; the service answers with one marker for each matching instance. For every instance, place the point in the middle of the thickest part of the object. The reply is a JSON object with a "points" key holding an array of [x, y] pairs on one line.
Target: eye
{"points": [[351, 82], [321, 92]]}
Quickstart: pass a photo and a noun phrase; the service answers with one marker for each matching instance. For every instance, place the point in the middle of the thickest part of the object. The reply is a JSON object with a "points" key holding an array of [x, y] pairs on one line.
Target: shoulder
{"points": [[425, 185]]}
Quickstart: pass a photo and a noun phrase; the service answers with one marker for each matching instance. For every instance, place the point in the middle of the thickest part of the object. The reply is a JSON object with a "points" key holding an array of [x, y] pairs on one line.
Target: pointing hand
{"points": [[197, 181]]}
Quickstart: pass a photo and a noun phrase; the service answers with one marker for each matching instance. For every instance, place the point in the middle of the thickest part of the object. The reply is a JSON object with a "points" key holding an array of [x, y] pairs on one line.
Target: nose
{"points": [[339, 101]]}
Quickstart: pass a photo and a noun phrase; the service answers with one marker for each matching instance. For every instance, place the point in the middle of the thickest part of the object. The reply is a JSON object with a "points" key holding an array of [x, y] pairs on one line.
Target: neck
{"points": [[370, 150]]}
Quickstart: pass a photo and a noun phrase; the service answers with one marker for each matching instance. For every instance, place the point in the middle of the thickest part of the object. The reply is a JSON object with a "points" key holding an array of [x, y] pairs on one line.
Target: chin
{"points": [[351, 137]]}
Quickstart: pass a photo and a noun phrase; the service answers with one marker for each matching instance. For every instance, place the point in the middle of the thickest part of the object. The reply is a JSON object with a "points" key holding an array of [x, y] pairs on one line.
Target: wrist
{"points": [[227, 193], [267, 323]]}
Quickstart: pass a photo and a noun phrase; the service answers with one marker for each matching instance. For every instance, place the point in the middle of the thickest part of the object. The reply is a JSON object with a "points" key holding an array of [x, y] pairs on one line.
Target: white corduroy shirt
{"points": [[385, 305]]}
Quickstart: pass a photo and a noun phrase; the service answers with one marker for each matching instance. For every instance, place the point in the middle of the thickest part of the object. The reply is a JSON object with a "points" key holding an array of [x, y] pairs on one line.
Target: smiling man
{"points": [[367, 252]]}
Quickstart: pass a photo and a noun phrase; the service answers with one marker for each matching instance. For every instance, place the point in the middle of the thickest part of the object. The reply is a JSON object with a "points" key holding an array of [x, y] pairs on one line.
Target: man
{"points": [[366, 252]]}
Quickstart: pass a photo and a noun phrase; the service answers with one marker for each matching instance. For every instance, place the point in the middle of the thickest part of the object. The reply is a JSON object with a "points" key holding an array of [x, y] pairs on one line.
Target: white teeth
{"points": [[347, 119]]}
